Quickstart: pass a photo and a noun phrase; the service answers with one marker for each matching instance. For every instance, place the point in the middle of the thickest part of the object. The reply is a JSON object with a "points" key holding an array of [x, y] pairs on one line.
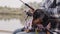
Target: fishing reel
{"points": [[28, 13]]}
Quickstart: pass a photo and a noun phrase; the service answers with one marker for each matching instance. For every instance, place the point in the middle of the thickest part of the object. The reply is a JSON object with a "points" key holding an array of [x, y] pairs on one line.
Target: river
{"points": [[9, 25]]}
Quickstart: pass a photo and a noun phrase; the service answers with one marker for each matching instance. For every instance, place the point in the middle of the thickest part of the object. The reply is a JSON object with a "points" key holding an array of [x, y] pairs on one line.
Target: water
{"points": [[10, 25]]}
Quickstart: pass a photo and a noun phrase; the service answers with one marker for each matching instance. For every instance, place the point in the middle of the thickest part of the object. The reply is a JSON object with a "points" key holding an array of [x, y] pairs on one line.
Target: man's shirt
{"points": [[54, 12], [28, 23]]}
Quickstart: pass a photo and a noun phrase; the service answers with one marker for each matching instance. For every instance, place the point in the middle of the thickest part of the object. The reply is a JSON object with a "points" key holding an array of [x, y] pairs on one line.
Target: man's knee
{"points": [[16, 31]]}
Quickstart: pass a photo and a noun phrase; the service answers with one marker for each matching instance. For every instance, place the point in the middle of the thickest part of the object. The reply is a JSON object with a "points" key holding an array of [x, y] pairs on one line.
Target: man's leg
{"points": [[18, 30]]}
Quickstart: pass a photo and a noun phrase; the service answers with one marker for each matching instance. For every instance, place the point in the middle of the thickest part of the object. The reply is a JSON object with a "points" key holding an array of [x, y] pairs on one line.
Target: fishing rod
{"points": [[27, 5], [28, 14]]}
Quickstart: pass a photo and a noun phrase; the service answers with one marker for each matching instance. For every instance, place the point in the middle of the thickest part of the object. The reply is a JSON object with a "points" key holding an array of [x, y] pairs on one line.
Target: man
{"points": [[48, 4]]}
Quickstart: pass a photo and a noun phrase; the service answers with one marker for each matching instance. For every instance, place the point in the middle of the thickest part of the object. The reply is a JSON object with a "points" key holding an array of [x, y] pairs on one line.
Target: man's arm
{"points": [[47, 3]]}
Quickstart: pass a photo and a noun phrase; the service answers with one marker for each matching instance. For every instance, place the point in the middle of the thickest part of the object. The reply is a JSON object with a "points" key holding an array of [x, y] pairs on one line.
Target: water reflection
{"points": [[10, 25]]}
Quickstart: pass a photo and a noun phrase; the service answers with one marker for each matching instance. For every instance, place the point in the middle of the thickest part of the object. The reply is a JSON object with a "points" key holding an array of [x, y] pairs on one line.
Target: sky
{"points": [[15, 3]]}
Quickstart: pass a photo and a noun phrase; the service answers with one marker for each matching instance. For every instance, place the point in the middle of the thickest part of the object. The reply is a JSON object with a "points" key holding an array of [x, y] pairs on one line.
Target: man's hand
{"points": [[27, 30], [48, 26]]}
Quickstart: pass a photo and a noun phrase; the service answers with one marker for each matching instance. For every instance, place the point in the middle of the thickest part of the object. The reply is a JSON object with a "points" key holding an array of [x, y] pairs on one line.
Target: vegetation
{"points": [[18, 13]]}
